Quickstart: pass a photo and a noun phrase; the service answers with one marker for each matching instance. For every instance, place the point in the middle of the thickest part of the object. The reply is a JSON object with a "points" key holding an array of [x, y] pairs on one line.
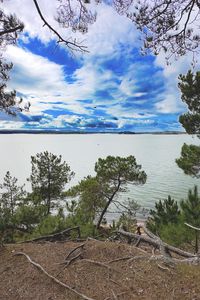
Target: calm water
{"points": [[156, 154]]}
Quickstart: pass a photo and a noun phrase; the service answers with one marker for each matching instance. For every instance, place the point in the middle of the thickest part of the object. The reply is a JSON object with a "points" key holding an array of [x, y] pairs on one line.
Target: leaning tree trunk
{"points": [[107, 205]]}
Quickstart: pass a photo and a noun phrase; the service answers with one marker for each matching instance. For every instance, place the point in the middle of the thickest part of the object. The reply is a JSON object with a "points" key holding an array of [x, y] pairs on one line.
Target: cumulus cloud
{"points": [[110, 87], [172, 101]]}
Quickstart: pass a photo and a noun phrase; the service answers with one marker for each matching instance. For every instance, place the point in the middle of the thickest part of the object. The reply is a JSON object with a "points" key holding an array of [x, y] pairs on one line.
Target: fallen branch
{"points": [[163, 268], [114, 295], [155, 243], [120, 259], [52, 277], [130, 258], [98, 263], [73, 250], [59, 236], [191, 226]]}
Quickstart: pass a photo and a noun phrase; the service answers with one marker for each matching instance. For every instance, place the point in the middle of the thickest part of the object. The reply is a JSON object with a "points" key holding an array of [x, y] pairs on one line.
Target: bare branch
{"points": [[52, 277], [11, 30], [74, 46], [59, 236], [193, 227]]}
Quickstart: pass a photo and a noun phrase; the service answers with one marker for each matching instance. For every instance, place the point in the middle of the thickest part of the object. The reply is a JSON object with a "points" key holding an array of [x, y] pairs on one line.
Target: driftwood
{"points": [[155, 242], [52, 277], [59, 236]]}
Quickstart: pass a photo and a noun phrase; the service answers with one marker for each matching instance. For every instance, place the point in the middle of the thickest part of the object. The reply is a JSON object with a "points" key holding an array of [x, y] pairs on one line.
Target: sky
{"points": [[112, 88]]}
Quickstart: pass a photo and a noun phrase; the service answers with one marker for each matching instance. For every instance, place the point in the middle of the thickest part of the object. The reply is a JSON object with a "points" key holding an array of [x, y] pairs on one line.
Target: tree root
{"points": [[52, 277], [98, 263], [163, 268], [130, 258]]}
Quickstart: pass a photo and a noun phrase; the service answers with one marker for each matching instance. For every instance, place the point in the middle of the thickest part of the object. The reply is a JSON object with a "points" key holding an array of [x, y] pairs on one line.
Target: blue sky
{"points": [[112, 88]]}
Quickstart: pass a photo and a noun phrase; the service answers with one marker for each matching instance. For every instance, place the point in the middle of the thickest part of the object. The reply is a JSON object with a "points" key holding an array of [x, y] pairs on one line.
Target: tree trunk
{"points": [[196, 242], [155, 242], [107, 205], [49, 192]]}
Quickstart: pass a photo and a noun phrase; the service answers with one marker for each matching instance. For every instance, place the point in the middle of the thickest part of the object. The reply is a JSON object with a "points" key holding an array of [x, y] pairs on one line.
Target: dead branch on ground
{"points": [[130, 258], [59, 236], [73, 250], [98, 263], [156, 242], [52, 277]]}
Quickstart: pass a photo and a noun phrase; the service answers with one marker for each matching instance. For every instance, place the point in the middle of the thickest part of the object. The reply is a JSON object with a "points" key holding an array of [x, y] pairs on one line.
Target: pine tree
{"points": [[165, 212], [191, 211], [11, 197], [49, 177]]}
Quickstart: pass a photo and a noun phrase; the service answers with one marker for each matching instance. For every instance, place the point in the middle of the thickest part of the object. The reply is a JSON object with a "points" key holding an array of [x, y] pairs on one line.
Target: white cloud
{"points": [[43, 82], [27, 13], [123, 122], [10, 125], [110, 32], [34, 75], [172, 102]]}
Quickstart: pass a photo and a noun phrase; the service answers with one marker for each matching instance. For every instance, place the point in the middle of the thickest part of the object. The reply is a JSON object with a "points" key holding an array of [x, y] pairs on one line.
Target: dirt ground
{"points": [[93, 273]]}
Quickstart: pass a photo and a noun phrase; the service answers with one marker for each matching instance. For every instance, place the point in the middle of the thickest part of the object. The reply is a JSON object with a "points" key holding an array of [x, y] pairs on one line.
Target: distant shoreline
{"points": [[81, 132]]}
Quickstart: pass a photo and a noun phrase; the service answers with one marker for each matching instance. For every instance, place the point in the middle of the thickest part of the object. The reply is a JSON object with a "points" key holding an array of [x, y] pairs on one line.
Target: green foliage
{"points": [[127, 220], [50, 224], [189, 86], [91, 199], [114, 173], [48, 178], [165, 212], [11, 197], [10, 27], [168, 221], [189, 161], [11, 194], [28, 216], [191, 208], [176, 234], [191, 122], [119, 171]]}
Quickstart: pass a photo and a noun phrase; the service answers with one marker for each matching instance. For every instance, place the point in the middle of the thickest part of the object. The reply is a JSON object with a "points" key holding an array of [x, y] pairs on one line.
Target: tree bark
{"points": [[11, 30], [107, 205], [155, 242]]}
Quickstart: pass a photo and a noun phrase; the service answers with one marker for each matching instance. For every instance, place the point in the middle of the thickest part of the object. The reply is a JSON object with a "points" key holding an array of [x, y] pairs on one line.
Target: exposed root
{"points": [[163, 268], [120, 259], [98, 263]]}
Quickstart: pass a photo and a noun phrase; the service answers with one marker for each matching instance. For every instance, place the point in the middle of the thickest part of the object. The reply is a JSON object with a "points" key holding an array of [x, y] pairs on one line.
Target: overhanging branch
{"points": [[11, 30], [73, 46]]}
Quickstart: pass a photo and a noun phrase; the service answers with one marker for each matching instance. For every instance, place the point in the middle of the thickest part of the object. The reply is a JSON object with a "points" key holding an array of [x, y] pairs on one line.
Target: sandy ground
{"points": [[125, 279]]}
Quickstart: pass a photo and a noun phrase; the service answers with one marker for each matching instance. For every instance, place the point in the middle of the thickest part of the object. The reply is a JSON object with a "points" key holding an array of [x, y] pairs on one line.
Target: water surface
{"points": [[156, 154]]}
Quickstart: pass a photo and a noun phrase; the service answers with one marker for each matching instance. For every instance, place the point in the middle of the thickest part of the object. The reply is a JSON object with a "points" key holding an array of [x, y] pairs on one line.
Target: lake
{"points": [[156, 154]]}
